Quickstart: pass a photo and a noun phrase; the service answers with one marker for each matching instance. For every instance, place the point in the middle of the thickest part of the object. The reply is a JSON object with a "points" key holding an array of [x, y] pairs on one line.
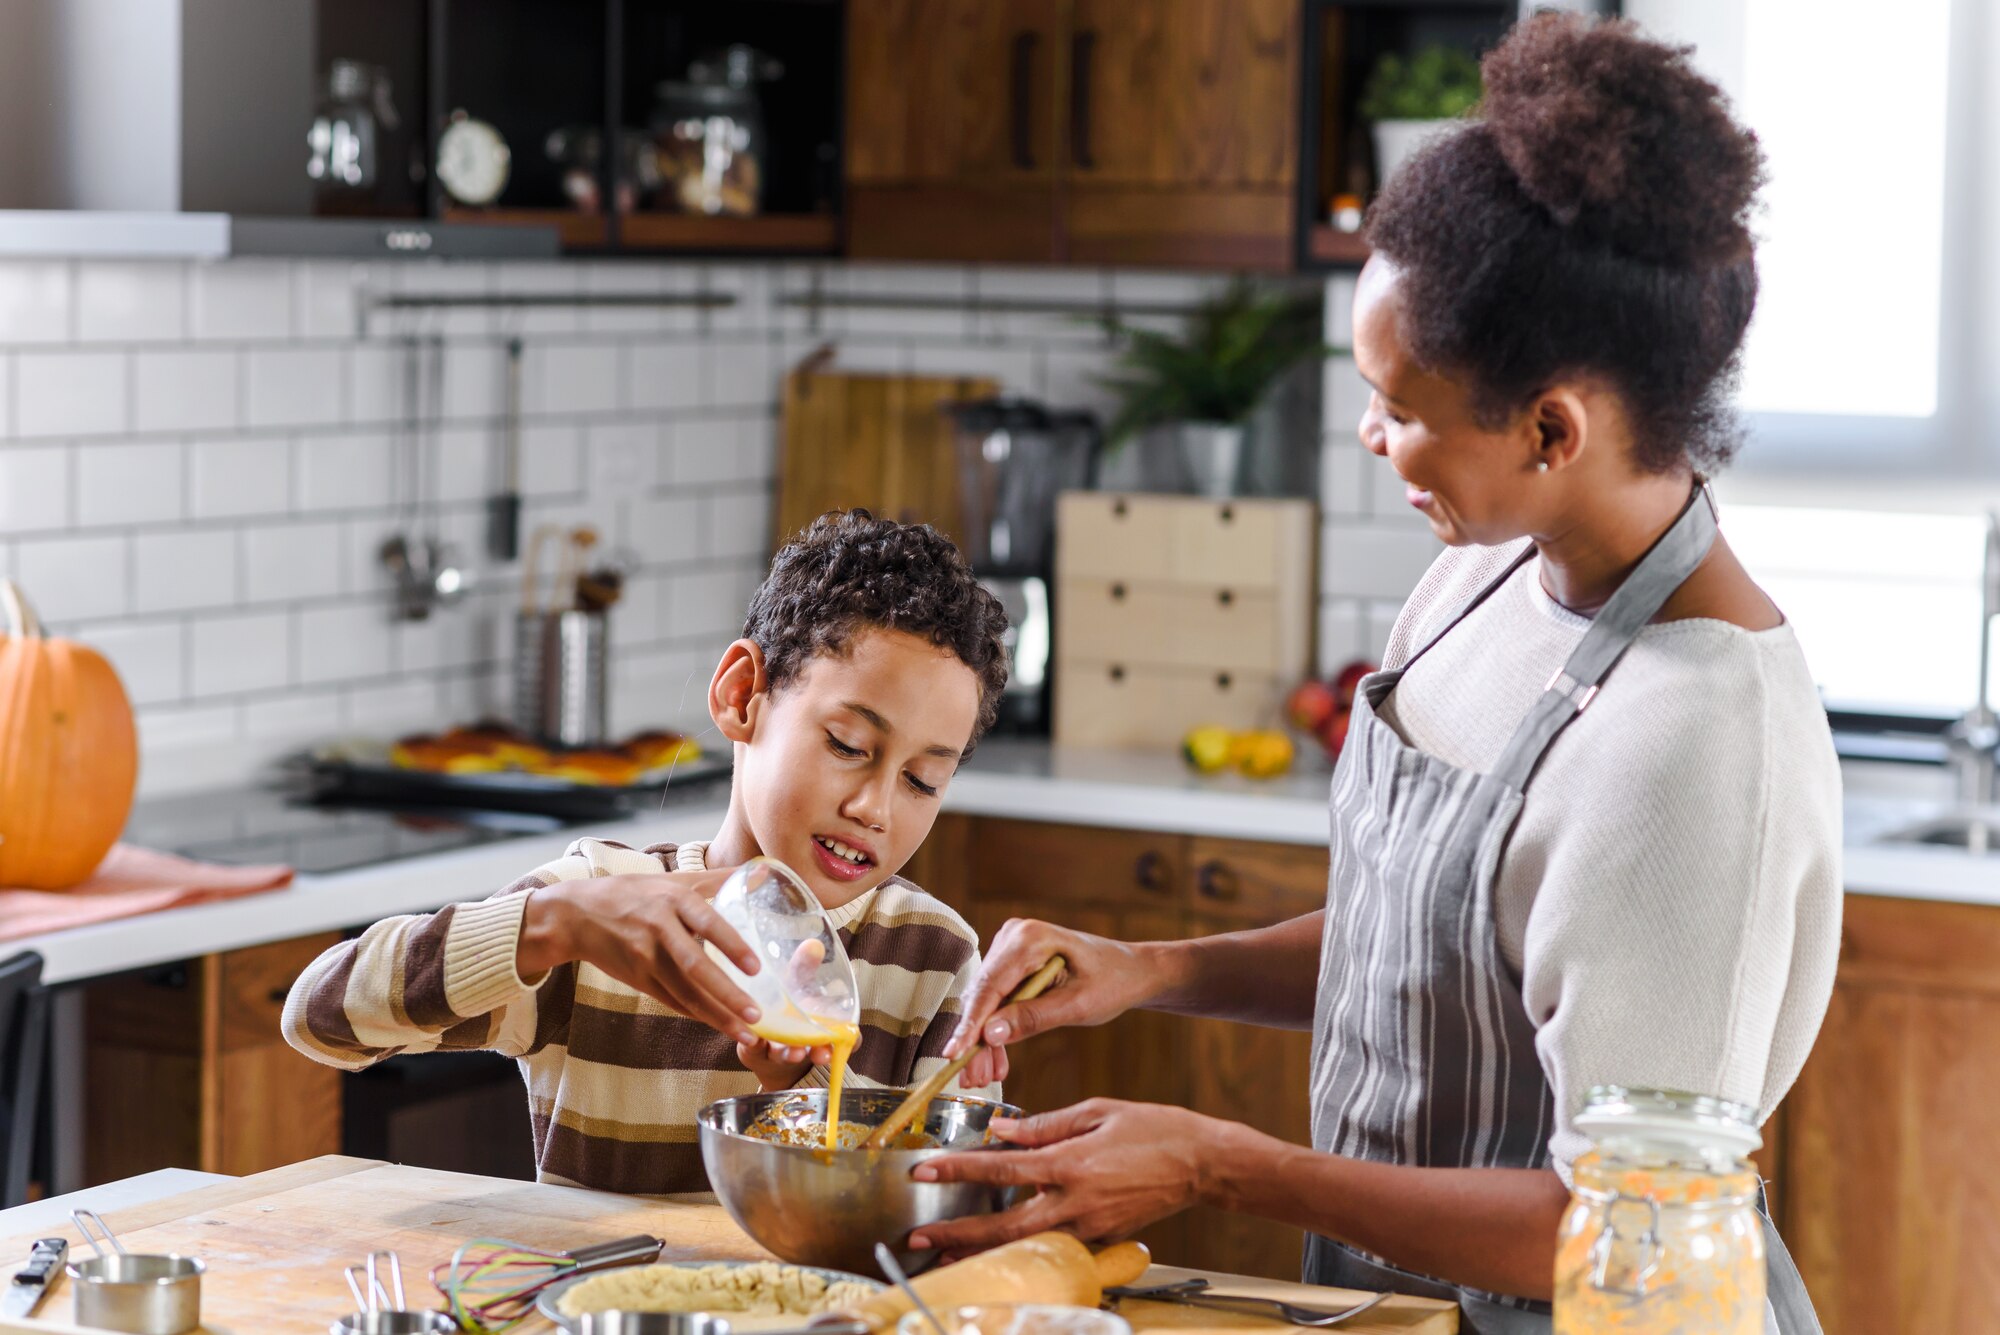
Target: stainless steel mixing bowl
{"points": [[813, 1206]]}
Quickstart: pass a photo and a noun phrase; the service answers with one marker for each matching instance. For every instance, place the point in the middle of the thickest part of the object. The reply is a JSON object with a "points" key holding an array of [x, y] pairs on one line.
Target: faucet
{"points": [[1974, 740]]}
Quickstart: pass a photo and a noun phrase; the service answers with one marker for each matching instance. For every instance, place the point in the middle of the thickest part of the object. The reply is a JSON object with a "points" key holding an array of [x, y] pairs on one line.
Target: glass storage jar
{"points": [[1662, 1235]]}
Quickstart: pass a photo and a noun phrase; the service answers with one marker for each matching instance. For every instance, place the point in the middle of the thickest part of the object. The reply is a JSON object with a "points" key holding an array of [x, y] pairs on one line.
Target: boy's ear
{"points": [[737, 691]]}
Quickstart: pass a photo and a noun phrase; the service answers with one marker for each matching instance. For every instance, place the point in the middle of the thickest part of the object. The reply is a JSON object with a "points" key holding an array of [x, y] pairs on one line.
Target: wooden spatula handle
{"points": [[918, 1099]]}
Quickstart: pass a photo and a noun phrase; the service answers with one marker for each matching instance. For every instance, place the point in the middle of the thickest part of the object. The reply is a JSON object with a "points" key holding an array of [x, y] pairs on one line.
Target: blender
{"points": [[1015, 456]]}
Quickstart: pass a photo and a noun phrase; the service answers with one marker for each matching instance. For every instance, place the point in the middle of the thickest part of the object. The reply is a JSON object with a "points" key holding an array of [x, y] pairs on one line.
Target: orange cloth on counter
{"points": [[131, 881]]}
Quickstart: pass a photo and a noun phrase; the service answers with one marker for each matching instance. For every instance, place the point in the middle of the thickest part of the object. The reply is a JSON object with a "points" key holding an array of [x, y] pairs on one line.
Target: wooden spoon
{"points": [[919, 1099]]}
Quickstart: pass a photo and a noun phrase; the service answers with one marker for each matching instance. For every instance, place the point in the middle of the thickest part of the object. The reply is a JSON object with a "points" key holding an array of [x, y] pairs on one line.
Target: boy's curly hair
{"points": [[1594, 218], [848, 572]]}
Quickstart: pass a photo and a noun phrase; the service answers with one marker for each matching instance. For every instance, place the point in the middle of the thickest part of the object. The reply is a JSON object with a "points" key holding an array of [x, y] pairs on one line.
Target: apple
{"points": [[1310, 705], [1333, 735], [1348, 681]]}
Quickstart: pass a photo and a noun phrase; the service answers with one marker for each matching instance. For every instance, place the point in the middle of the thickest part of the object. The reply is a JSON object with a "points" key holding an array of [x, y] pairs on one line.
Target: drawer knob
{"points": [[1225, 597], [1222, 681], [1117, 593], [1118, 508], [1217, 880], [1150, 871], [1117, 672], [1227, 514]]}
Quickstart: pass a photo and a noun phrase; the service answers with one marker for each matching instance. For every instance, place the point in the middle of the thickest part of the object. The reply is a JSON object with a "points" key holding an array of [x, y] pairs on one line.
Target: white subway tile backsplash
{"points": [[181, 571], [394, 707], [475, 380], [149, 655], [241, 652], [570, 378], [8, 409], [450, 637], [34, 488], [1343, 633], [623, 459], [925, 282], [1390, 495], [341, 472], [464, 461], [1339, 310], [292, 561], [184, 391], [1381, 620], [241, 299], [1014, 368], [665, 529], [1343, 397], [144, 301], [628, 280], [250, 476], [1374, 560], [551, 460], [344, 643], [69, 393], [35, 301], [736, 450], [128, 484], [167, 729], [997, 287], [667, 376], [1346, 478], [741, 374], [294, 718], [322, 298], [377, 390], [710, 604], [739, 524], [295, 386], [74, 578], [754, 289]]}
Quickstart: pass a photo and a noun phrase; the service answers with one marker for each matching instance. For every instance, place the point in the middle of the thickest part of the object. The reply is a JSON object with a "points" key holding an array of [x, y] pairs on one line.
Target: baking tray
{"points": [[344, 781]]}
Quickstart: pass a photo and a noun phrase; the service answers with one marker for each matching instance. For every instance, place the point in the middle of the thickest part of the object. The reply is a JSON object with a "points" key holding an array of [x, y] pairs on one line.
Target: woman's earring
{"points": [[1541, 465]]}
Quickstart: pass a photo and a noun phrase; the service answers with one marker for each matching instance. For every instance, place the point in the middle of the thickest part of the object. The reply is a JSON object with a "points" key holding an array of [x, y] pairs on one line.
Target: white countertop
{"points": [[1020, 780]]}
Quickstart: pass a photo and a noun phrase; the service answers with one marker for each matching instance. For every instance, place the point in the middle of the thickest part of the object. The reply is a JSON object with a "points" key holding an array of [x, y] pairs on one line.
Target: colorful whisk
{"points": [[491, 1283]]}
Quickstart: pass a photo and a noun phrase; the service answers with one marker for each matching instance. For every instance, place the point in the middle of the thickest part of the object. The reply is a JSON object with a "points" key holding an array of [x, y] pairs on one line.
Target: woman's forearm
{"points": [[1266, 976], [1484, 1228]]}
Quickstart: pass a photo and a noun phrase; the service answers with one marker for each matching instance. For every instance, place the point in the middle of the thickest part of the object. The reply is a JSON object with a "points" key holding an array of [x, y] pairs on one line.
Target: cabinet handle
{"points": [[1117, 593], [1217, 880], [1226, 597], [1081, 48], [1117, 672], [1223, 681], [1023, 98], [1150, 872]]}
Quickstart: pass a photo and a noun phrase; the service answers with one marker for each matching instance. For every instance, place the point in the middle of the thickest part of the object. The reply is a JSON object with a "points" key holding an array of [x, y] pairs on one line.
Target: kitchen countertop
{"points": [[275, 1244], [1006, 777]]}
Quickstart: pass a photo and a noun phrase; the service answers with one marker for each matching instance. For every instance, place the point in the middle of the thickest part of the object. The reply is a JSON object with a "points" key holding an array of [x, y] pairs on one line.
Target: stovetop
{"points": [[243, 826]]}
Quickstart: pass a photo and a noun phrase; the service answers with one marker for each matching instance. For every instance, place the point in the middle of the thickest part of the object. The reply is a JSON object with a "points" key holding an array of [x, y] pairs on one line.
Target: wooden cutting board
{"points": [[276, 1242], [878, 441]]}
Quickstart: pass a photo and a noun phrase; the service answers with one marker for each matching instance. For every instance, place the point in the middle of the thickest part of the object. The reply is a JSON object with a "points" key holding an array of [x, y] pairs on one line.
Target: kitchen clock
{"points": [[472, 160]]}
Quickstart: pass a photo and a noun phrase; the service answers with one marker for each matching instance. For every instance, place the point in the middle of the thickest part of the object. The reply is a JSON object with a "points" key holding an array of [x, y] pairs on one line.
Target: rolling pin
{"points": [[1046, 1268]]}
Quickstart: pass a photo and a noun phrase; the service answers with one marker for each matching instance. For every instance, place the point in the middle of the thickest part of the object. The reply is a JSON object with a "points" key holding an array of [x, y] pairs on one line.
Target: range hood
{"points": [[176, 129]]}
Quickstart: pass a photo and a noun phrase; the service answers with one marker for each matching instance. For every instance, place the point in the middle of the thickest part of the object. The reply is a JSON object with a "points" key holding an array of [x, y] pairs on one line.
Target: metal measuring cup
{"points": [[144, 1293], [375, 1316]]}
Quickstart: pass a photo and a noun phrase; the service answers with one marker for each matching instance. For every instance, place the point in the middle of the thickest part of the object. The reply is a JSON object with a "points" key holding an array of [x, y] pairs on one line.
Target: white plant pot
{"points": [[1397, 141], [1214, 455]]}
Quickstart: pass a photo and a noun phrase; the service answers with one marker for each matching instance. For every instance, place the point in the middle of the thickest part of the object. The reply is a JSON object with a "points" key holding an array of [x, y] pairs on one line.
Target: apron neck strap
{"points": [[1663, 569]]}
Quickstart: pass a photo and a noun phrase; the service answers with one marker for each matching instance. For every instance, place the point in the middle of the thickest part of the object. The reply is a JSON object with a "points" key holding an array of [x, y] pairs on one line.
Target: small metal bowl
{"points": [[143, 1293], [813, 1206], [614, 1322], [393, 1323]]}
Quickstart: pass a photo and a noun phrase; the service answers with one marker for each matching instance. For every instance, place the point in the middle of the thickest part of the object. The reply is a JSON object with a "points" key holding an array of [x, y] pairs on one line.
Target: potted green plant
{"points": [[1205, 383], [1410, 98]]}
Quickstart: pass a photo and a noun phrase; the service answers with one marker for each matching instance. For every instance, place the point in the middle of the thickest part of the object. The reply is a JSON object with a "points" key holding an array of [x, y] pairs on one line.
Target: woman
{"points": [[1535, 888]]}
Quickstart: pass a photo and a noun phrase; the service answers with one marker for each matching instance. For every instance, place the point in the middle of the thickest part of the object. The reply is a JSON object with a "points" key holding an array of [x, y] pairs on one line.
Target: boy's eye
{"points": [[921, 787], [841, 748]]}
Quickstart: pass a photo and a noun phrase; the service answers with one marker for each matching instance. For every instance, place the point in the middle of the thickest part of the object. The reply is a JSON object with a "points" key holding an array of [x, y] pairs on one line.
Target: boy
{"points": [[870, 663]]}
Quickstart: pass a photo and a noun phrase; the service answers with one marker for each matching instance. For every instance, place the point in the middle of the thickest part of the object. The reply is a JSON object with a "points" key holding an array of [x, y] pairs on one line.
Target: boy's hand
{"points": [[645, 931], [777, 1066]]}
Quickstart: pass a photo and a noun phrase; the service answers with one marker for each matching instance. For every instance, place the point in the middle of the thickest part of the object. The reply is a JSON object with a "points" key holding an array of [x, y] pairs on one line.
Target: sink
{"points": [[1975, 832]]}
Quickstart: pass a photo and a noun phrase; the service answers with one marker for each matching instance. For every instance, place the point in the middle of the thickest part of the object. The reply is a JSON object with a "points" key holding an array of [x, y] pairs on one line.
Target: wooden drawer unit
{"points": [[1174, 611], [1035, 861], [1253, 883]]}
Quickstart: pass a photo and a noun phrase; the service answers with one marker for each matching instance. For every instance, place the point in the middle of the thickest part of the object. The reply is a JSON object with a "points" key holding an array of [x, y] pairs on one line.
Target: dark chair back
{"points": [[24, 1010]]}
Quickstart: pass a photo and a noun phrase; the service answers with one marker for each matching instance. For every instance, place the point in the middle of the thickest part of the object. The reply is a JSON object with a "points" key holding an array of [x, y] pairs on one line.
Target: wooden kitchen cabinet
{"points": [[187, 1068], [1182, 132], [951, 129], [1886, 1180], [1099, 131], [1141, 886]]}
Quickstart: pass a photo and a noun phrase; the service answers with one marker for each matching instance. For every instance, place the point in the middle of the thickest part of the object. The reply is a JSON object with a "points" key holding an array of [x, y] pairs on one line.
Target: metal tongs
{"points": [[1194, 1293]]}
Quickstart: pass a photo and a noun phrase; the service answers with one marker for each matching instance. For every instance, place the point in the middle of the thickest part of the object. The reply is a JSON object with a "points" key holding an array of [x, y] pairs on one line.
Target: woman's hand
{"points": [[1103, 1170], [777, 1066], [1105, 978], [647, 932]]}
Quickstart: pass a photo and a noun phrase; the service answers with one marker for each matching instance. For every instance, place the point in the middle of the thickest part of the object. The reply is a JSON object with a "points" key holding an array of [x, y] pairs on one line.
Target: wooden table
{"points": [[276, 1242]]}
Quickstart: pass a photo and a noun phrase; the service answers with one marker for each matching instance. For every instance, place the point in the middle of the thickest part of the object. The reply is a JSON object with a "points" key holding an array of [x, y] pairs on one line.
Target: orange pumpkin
{"points": [[69, 755]]}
